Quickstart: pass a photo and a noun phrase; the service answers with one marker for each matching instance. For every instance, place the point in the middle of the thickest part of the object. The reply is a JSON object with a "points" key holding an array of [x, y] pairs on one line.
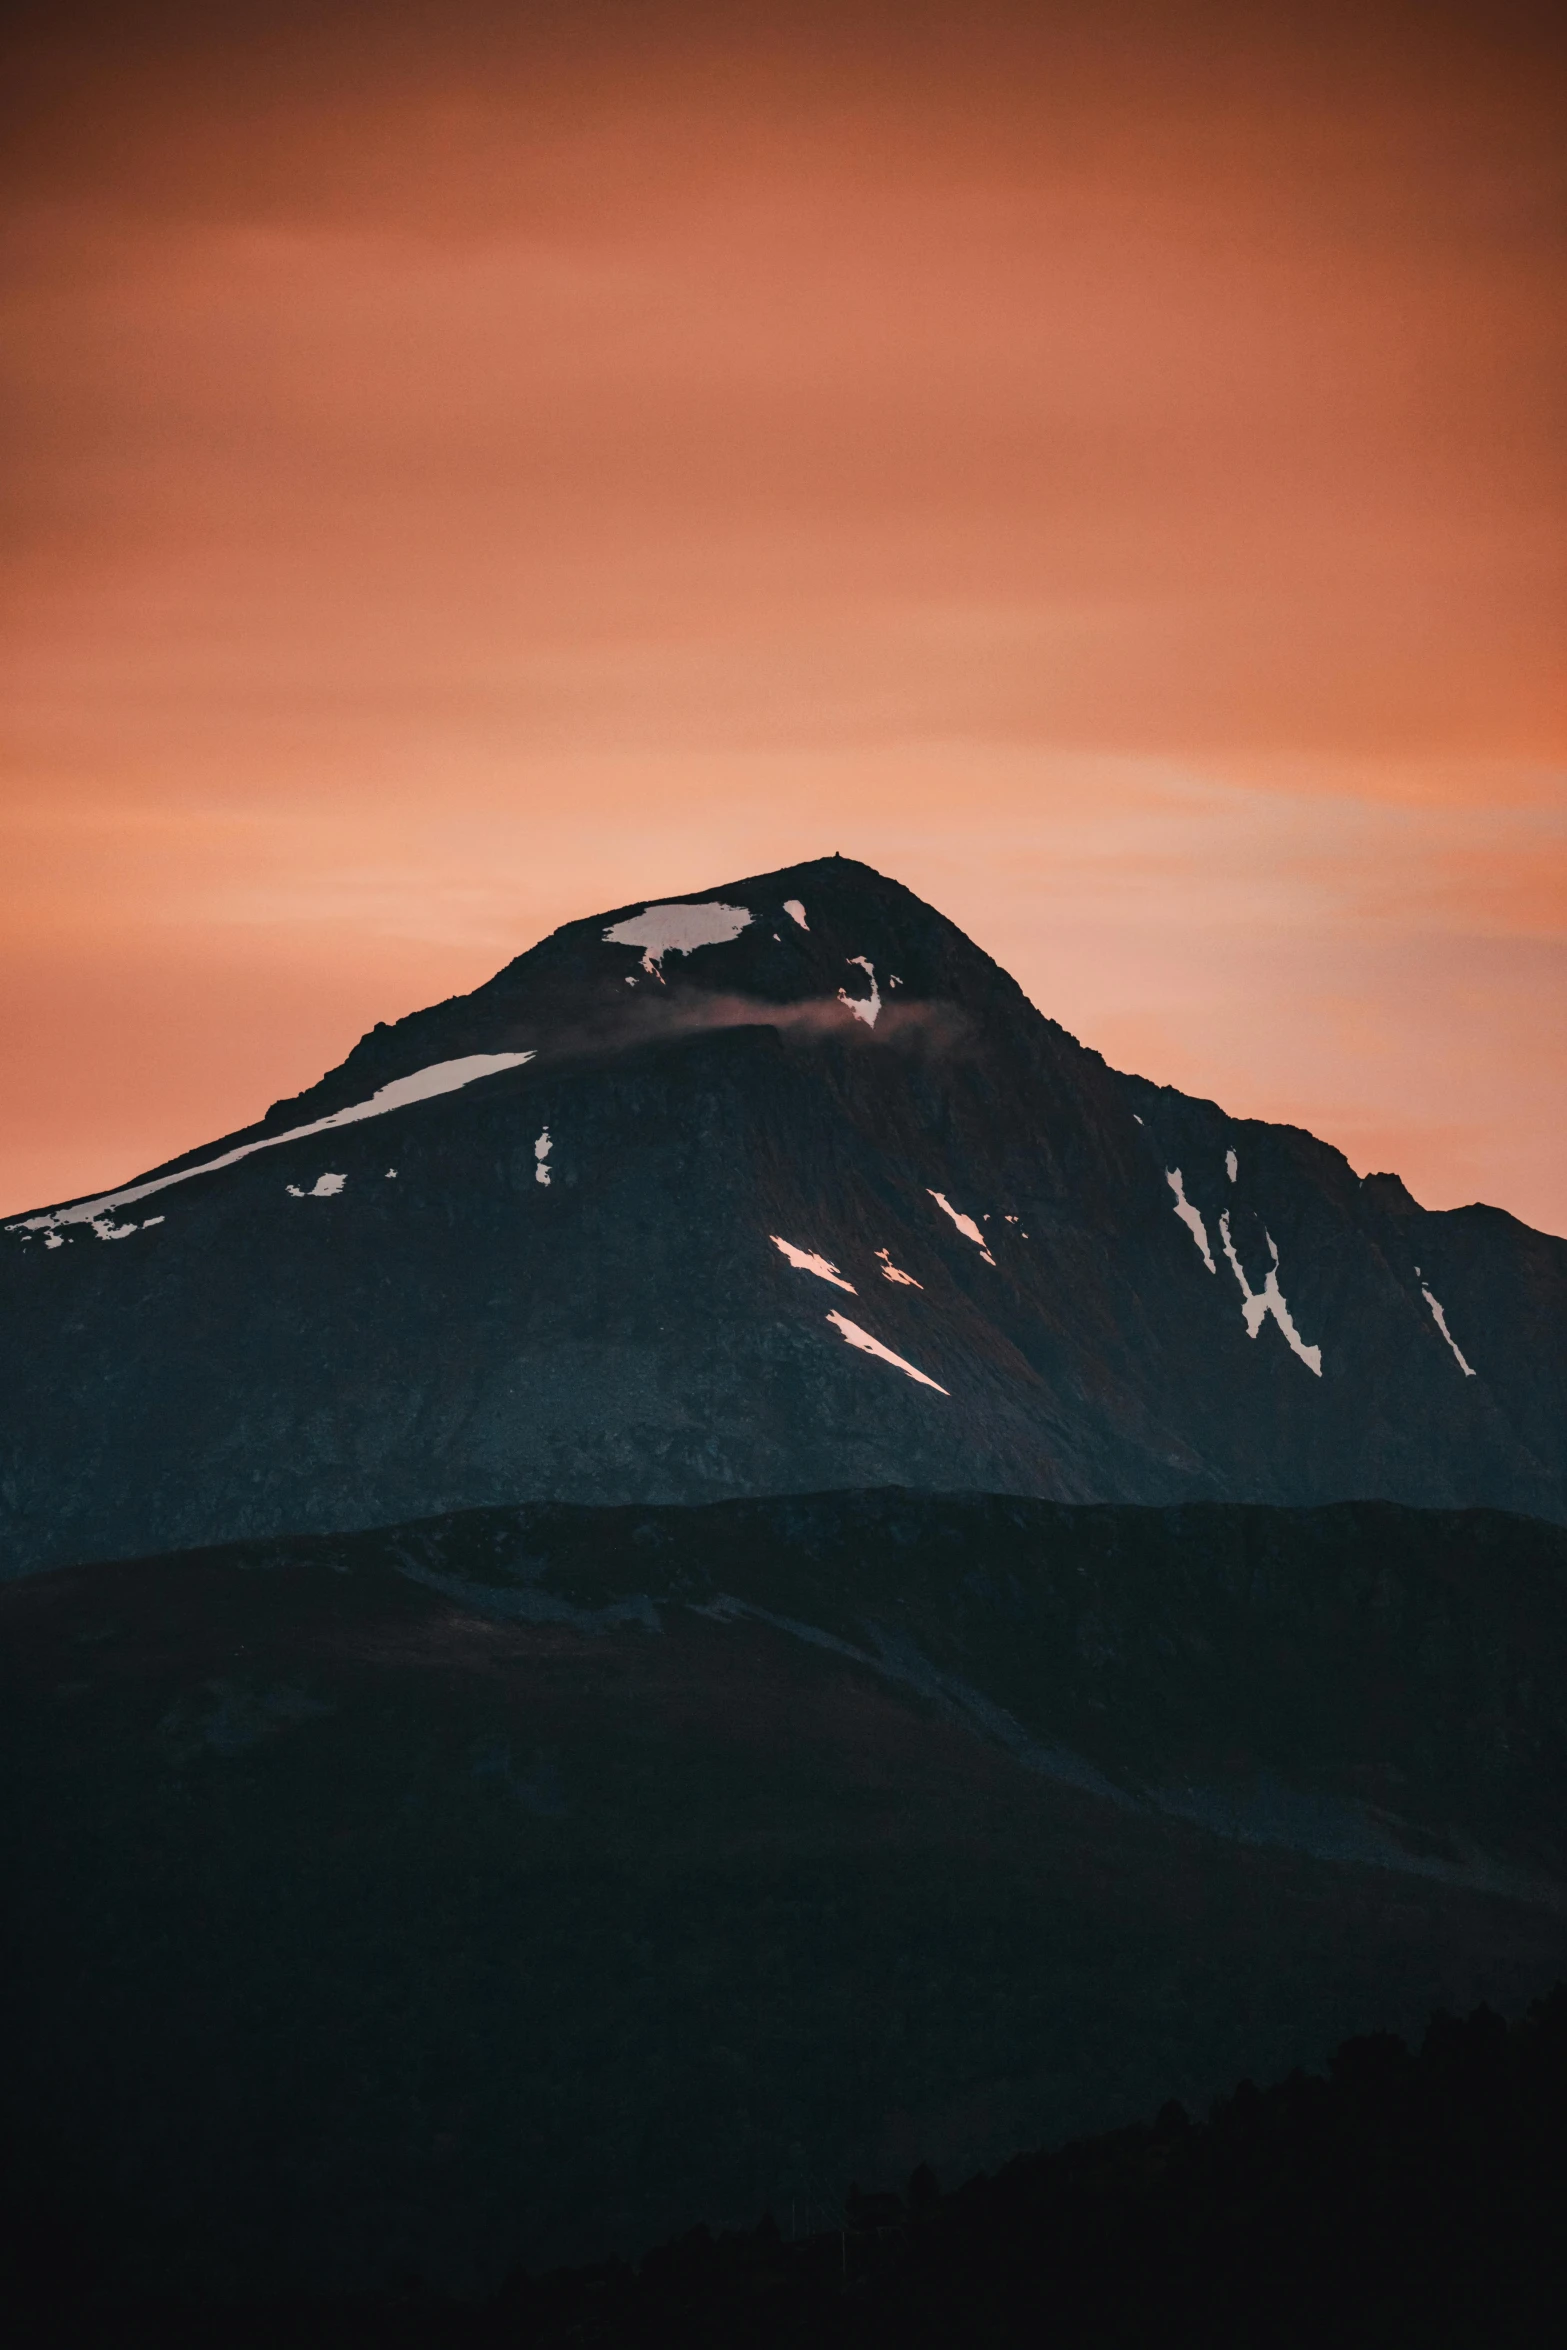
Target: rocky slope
{"points": [[782, 1188]]}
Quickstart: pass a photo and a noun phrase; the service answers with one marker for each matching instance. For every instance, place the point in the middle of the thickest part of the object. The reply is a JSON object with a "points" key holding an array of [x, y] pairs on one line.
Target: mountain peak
{"points": [[773, 1186], [830, 932]]}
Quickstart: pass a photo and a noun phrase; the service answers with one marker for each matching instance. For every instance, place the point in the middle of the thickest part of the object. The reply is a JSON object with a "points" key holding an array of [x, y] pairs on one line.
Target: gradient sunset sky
{"points": [[472, 465]]}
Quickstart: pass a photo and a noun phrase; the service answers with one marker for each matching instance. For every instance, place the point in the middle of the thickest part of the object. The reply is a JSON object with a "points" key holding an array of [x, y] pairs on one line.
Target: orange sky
{"points": [[1103, 465]]}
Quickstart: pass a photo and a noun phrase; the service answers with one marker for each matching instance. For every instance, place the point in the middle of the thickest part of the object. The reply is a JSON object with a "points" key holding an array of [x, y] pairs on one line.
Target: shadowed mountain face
{"points": [[783, 1188], [526, 1884]]}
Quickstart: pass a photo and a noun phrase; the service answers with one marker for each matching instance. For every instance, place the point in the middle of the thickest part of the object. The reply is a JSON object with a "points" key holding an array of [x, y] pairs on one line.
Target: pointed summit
{"points": [[773, 1186]]}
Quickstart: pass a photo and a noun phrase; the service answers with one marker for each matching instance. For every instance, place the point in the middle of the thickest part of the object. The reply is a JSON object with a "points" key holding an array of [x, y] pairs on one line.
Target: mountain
{"points": [[529, 1884], [781, 1187], [723, 1566]]}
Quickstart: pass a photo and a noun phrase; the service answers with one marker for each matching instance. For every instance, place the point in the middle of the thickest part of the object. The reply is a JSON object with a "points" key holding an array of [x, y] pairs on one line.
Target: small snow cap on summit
{"points": [[677, 930]]}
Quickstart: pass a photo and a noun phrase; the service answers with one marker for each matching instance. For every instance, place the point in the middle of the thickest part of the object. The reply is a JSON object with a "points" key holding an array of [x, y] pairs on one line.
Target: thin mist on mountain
{"points": [[783, 1186]]}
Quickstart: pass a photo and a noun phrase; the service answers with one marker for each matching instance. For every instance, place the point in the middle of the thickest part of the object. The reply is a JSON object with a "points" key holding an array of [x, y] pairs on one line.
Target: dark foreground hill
{"points": [[522, 1886], [1403, 2199], [777, 1190]]}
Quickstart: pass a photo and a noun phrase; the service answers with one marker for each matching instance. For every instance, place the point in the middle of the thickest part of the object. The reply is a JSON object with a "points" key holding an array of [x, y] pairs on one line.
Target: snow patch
{"points": [[1232, 1165], [53, 1240], [1191, 1217], [807, 1261], [965, 1224], [890, 1272], [1440, 1319], [884, 1354], [541, 1151], [677, 930], [1258, 1304], [150, 1221], [422, 1085], [864, 1008], [324, 1187], [106, 1230], [796, 912]]}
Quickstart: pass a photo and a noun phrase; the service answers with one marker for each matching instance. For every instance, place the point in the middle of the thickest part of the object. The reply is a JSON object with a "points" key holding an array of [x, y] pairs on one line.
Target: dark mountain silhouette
{"points": [[795, 1577], [782, 1188], [528, 1885]]}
